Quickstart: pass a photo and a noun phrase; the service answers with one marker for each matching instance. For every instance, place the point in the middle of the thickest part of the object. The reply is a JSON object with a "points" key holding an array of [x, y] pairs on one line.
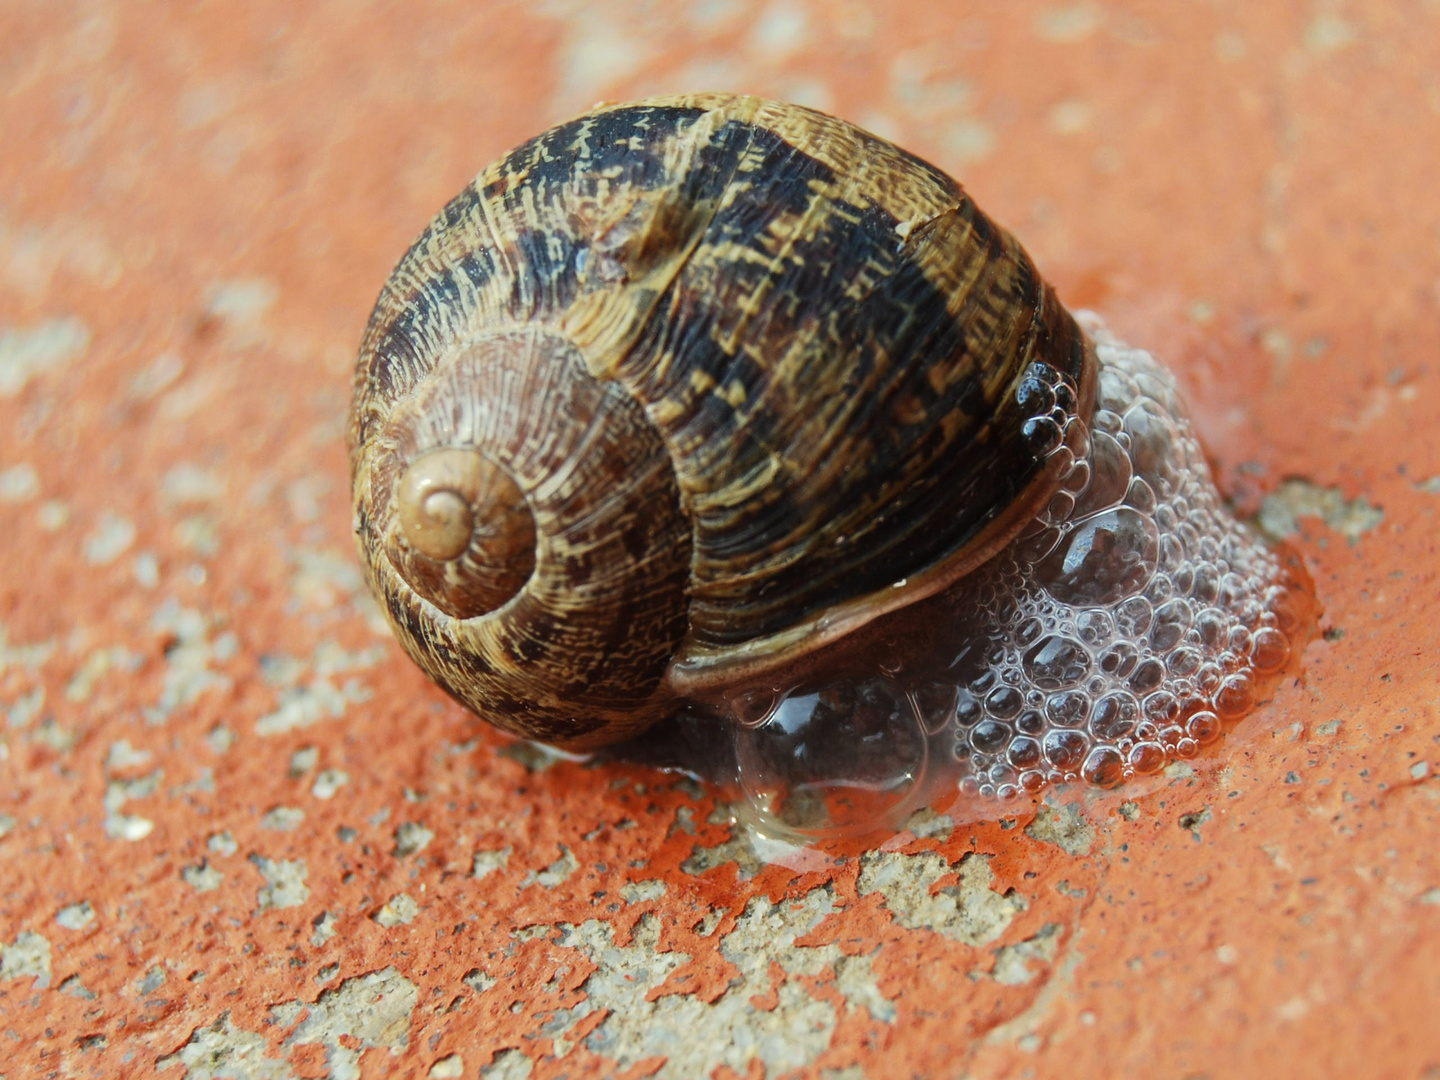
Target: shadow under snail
{"points": [[719, 407]]}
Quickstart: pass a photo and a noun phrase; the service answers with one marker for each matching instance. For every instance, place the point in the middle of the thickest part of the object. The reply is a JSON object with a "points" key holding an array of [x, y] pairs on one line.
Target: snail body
{"points": [[700, 400]]}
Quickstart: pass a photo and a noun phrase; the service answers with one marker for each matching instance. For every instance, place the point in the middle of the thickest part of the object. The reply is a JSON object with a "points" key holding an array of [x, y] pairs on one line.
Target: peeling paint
{"points": [[968, 910], [43, 349], [223, 1051], [371, 1010], [1294, 499], [28, 957], [1063, 825], [284, 882]]}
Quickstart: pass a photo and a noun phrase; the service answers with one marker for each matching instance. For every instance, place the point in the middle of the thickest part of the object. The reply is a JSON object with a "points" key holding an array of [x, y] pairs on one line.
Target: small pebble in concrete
{"points": [[284, 882], [397, 911], [42, 349], [76, 916]]}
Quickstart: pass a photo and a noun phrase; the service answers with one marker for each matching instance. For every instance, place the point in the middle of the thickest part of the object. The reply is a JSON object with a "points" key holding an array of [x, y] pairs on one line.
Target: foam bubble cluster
{"points": [[1125, 628]]}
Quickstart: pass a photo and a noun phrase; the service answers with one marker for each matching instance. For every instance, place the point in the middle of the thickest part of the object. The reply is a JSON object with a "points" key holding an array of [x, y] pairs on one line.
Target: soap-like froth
{"points": [[1124, 629]]}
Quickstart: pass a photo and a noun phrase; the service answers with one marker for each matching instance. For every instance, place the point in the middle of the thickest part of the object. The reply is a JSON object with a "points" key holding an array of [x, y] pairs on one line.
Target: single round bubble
{"points": [[841, 759], [1110, 473], [935, 703], [1147, 757], [1104, 558], [1024, 753], [1004, 702], [1057, 662], [1269, 650], [1065, 749], [989, 736], [1203, 727], [1104, 767], [1235, 697]]}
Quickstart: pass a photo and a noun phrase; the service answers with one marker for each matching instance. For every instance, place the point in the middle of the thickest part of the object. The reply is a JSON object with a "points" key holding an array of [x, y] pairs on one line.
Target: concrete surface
{"points": [[241, 836]]}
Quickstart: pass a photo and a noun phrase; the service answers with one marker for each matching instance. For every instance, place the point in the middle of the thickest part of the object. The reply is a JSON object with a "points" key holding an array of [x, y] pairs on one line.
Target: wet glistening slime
{"points": [[1127, 627]]}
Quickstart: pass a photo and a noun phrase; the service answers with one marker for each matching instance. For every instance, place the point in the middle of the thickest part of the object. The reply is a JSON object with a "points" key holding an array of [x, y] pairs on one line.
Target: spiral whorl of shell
{"points": [[813, 349]]}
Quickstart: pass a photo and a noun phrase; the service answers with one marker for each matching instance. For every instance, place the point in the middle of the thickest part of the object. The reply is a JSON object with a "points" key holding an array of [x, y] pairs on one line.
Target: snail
{"points": [[715, 405]]}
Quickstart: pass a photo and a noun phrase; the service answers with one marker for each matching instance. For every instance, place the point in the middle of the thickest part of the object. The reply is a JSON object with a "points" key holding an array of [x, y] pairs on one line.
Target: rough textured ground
{"points": [[241, 836]]}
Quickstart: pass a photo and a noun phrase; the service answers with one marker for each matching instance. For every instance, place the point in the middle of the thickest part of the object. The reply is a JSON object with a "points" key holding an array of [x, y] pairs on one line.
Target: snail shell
{"points": [[678, 394]]}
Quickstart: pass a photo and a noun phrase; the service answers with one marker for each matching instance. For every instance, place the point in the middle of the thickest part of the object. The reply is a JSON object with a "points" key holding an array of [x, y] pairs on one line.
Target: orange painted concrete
{"points": [[232, 811]]}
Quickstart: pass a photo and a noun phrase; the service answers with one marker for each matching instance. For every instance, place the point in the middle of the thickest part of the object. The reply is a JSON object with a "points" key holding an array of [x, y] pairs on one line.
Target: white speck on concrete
{"points": [[111, 538], [223, 1051], [487, 862], [1282, 510], [968, 141], [39, 350], [598, 51], [53, 515], [75, 988], [1068, 24], [399, 910], [1328, 33], [25, 708], [788, 1037], [328, 782], [222, 843], [811, 93], [76, 916], [202, 877], [410, 837], [198, 533], [448, 1068], [146, 569], [783, 28], [128, 827], [120, 826], [969, 910], [372, 1010], [284, 882], [638, 892], [96, 666], [1063, 825], [19, 483], [555, 873], [303, 760], [187, 661], [324, 578], [707, 16], [156, 376], [323, 928], [282, 818], [508, 1065], [477, 980], [122, 756], [28, 657], [27, 957], [187, 483], [1070, 117], [241, 300], [302, 706], [1012, 962]]}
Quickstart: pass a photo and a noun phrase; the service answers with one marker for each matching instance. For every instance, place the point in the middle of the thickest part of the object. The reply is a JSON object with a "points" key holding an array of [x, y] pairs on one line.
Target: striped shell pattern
{"points": [[679, 393]]}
